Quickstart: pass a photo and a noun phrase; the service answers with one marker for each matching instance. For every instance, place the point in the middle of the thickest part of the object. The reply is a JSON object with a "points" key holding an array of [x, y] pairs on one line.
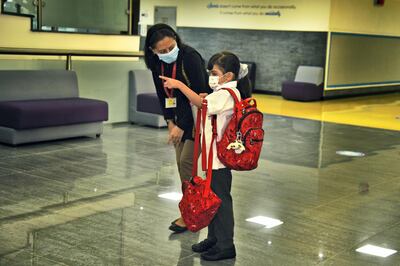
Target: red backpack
{"points": [[240, 146]]}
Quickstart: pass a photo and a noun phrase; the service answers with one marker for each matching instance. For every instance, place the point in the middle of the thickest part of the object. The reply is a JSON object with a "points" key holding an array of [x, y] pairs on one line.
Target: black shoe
{"points": [[176, 228], [203, 246], [216, 253]]}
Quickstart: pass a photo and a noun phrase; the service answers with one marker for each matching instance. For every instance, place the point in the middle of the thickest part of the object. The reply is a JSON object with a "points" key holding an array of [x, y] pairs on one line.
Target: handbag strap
{"points": [[211, 148], [203, 141], [200, 123], [207, 164], [211, 157], [196, 143]]}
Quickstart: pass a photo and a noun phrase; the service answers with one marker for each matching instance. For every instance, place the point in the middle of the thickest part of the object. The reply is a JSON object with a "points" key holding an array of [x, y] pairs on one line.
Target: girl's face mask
{"points": [[213, 81], [216, 78]]}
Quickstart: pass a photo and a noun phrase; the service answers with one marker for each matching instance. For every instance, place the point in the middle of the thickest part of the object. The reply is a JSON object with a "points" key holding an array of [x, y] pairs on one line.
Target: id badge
{"points": [[170, 102]]}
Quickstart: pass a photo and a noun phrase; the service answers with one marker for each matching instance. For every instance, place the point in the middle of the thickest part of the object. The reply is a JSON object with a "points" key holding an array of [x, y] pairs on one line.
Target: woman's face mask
{"points": [[167, 50], [171, 56]]}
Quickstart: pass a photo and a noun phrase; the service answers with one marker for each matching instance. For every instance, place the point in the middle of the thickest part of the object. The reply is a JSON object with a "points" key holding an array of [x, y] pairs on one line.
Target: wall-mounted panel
{"points": [[363, 60]]}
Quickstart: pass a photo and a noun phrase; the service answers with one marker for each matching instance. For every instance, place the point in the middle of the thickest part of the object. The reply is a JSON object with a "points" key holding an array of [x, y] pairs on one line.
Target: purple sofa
{"points": [[144, 106], [307, 86], [38, 105]]}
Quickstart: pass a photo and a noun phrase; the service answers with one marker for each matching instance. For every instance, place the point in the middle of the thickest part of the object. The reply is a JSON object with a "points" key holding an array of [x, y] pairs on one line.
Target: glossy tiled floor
{"points": [[94, 201], [376, 111]]}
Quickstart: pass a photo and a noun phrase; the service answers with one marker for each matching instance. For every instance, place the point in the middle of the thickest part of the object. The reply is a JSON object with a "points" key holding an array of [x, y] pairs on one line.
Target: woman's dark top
{"points": [[197, 77]]}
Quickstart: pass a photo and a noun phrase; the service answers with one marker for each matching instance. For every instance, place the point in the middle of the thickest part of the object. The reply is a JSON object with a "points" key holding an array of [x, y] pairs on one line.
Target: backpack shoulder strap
{"points": [[233, 94]]}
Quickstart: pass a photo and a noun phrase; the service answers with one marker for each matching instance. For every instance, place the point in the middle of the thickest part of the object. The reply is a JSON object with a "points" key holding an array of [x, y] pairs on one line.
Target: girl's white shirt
{"points": [[221, 104]]}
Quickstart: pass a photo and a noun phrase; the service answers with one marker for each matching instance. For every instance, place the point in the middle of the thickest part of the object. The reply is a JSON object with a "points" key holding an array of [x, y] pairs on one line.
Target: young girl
{"points": [[225, 72]]}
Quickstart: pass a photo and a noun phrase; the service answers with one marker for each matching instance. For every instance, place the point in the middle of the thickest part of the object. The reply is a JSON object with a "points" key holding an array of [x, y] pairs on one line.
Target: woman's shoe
{"points": [[177, 228], [203, 246]]}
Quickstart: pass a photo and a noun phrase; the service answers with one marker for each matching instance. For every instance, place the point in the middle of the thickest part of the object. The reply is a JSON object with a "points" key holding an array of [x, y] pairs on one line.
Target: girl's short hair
{"points": [[155, 34], [229, 62]]}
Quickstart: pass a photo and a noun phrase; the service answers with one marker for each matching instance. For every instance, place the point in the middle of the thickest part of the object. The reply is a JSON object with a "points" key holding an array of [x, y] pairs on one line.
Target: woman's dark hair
{"points": [[229, 62], [155, 34]]}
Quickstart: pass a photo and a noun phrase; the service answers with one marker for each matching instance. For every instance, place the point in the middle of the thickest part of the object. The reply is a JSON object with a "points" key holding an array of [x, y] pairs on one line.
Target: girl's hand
{"points": [[171, 83]]}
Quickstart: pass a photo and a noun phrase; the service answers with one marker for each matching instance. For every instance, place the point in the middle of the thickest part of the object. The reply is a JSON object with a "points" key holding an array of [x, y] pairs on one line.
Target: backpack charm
{"points": [[237, 145]]}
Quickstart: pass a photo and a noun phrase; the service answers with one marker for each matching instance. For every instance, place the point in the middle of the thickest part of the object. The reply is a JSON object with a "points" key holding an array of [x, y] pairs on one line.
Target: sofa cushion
{"points": [[25, 85], [310, 74], [148, 103], [302, 91], [30, 114]]}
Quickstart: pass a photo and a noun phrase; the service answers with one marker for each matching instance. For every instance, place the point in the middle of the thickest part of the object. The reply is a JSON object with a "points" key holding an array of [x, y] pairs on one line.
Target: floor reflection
{"points": [[95, 201]]}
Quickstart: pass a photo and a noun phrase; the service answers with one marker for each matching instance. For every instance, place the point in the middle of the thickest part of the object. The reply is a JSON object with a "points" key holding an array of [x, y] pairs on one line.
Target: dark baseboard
{"points": [[332, 97], [268, 92]]}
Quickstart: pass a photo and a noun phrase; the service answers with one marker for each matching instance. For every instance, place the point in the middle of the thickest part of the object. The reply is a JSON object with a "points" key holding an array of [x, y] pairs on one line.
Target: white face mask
{"points": [[171, 56], [213, 82]]}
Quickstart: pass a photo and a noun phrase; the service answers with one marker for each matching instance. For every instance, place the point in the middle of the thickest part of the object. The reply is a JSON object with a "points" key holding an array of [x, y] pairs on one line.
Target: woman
{"points": [[166, 55]]}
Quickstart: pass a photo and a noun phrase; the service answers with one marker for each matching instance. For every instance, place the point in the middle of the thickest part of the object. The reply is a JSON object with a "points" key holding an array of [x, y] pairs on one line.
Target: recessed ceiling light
{"points": [[171, 196], [376, 251], [263, 220], [351, 153]]}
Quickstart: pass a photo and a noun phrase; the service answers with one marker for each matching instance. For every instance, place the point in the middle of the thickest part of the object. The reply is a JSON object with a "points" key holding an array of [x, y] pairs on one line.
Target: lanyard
{"points": [[168, 92]]}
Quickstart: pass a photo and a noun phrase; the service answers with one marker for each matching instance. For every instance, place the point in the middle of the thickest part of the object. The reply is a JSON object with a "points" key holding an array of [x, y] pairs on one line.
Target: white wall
{"points": [[362, 16], [294, 15]]}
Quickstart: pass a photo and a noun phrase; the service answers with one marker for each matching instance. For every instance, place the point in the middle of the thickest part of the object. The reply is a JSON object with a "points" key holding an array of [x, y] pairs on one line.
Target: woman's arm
{"points": [[176, 84]]}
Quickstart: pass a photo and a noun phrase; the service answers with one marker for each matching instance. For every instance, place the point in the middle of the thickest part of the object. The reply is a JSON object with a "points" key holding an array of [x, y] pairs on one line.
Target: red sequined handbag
{"points": [[199, 203]]}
